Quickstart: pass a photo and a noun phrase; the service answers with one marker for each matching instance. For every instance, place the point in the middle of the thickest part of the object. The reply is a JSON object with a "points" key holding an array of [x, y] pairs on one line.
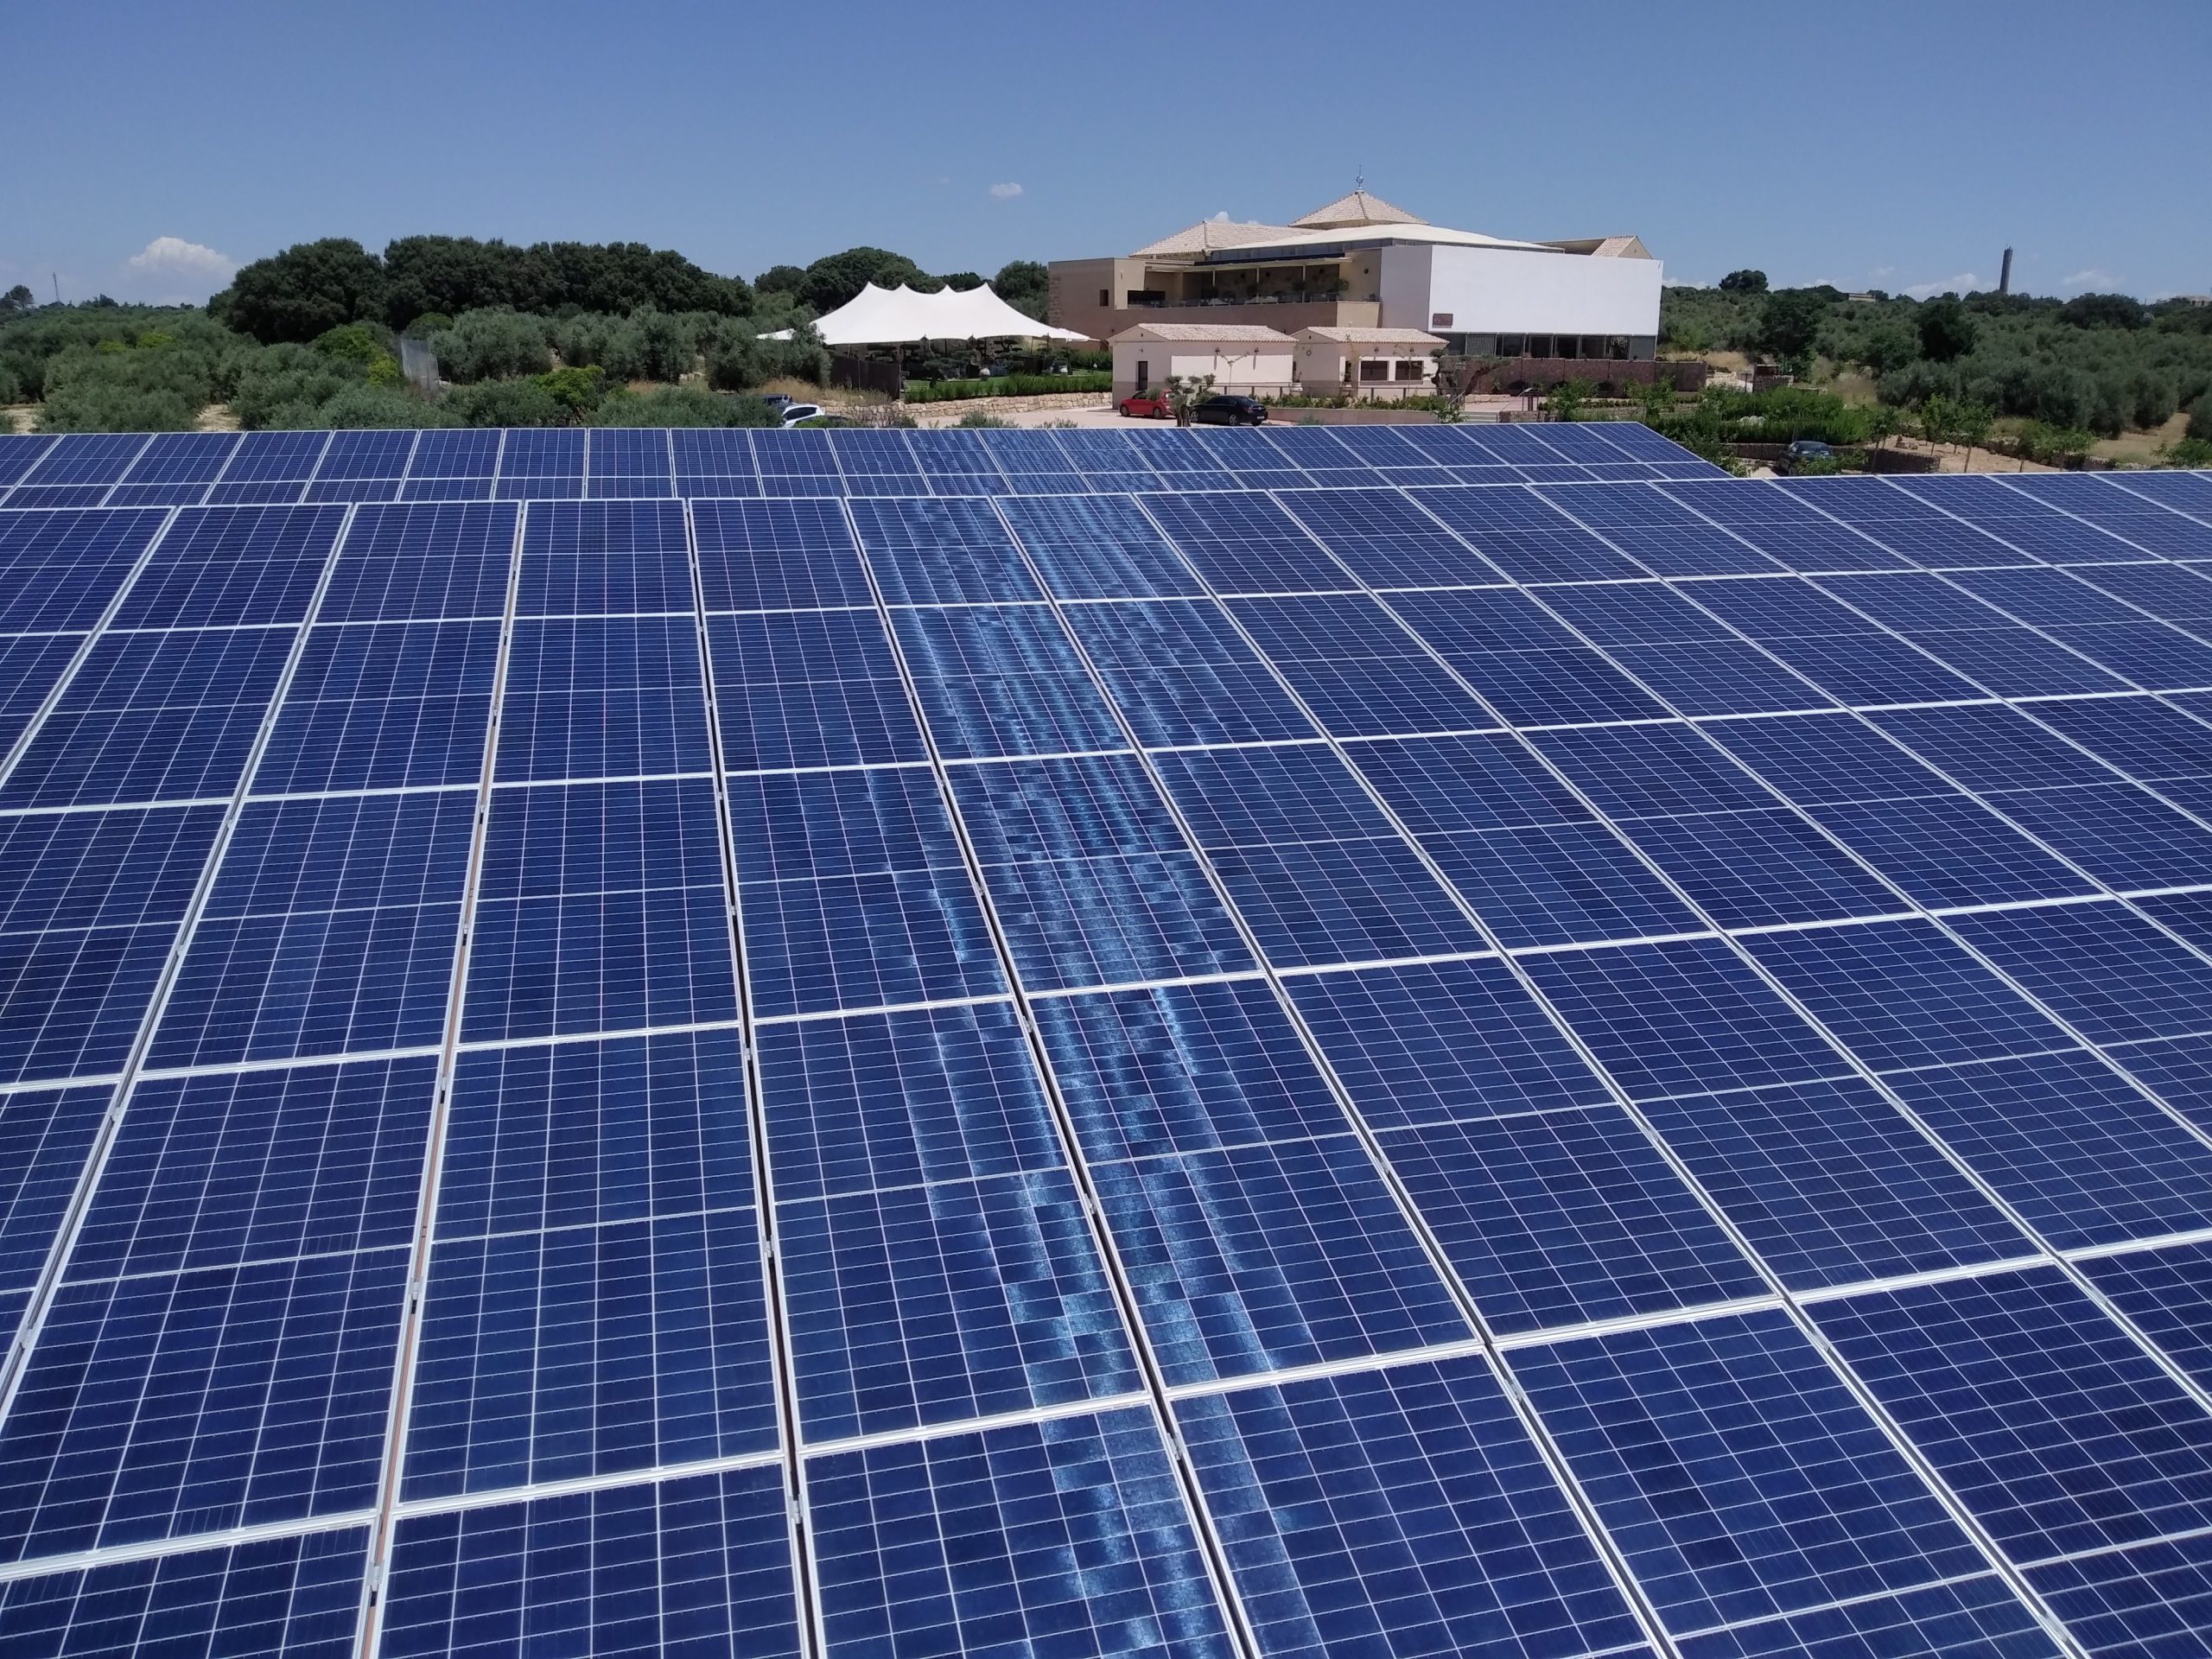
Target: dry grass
{"points": [[2142, 446], [17, 417], [806, 391]]}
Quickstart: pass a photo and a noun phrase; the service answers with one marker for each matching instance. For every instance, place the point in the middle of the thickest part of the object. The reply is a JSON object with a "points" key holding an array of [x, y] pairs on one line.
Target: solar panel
{"points": [[1112, 1042]]}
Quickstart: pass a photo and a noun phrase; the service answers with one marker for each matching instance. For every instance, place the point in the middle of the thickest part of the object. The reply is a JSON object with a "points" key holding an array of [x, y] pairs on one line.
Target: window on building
{"points": [[1106, 298], [1617, 348], [1347, 370], [1411, 368], [1375, 368], [1513, 344], [1562, 346]]}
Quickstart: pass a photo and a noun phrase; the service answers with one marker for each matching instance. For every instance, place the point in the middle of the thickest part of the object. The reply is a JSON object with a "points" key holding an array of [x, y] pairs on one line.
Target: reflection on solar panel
{"points": [[1099, 1043]]}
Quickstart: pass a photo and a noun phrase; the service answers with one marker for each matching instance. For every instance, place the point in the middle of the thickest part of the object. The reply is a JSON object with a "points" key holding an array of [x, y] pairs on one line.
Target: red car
{"points": [[1153, 404]]}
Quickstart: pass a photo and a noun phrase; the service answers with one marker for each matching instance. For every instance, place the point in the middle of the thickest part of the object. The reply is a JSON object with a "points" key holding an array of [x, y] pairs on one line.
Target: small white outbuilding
{"points": [[1242, 358], [1369, 365]]}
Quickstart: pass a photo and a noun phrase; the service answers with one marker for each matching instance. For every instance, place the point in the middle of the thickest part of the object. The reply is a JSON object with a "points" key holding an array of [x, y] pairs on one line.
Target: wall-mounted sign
{"points": [[1440, 319]]}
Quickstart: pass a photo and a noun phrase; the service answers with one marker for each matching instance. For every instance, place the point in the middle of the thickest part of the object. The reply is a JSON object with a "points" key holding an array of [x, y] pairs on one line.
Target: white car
{"points": [[794, 413]]}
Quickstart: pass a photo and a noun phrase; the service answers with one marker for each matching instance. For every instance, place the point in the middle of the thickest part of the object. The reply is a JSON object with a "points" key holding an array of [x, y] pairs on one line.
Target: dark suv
{"points": [[1226, 411]]}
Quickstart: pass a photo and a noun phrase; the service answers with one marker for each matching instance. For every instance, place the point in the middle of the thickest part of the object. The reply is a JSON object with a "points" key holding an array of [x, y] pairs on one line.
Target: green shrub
{"points": [[1007, 385], [680, 406], [97, 405], [507, 402], [976, 417], [355, 342], [2200, 417], [493, 345], [365, 406]]}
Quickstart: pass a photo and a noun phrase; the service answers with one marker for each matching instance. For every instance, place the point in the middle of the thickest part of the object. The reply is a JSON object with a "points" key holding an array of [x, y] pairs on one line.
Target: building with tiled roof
{"points": [[1360, 262]]}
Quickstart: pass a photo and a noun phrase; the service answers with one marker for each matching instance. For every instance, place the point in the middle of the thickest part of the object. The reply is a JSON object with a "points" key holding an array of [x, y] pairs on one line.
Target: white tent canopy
{"points": [[900, 316]]}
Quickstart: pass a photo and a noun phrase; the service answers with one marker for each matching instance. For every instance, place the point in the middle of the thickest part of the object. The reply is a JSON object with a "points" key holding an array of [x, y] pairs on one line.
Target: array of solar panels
{"points": [[187, 469], [1602, 1068]]}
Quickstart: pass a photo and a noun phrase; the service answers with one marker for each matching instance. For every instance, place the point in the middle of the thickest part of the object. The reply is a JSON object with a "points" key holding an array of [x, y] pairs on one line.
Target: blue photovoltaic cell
{"points": [[1264, 1257], [1246, 543], [1950, 851], [257, 1166], [691, 1567], [158, 1406], [598, 558], [298, 1595], [1002, 679], [62, 570], [1832, 1184], [1900, 993], [1090, 875], [1976, 1616], [1739, 1476], [809, 687], [933, 1303], [422, 562], [1442, 1040], [2086, 1158], [776, 555], [2168, 1294], [1180, 673], [798, 826], [1558, 1218], [1098, 547], [1752, 869], [2084, 1442], [222, 567], [603, 696], [2105, 969], [889, 1100], [853, 894], [1184, 1068], [603, 908], [1399, 1511], [1068, 1538], [590, 1350], [153, 716], [1350, 662], [30, 667], [577, 1134], [101, 869], [331, 927], [1387, 541], [1682, 1018], [941, 552], [45, 1135], [396, 705]]}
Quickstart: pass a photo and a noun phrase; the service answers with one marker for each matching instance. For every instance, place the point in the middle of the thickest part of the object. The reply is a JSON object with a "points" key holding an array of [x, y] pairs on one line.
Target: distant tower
{"points": [[2004, 274]]}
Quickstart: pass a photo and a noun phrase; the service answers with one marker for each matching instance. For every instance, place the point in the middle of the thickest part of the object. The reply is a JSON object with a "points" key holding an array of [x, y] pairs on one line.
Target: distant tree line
{"points": [[556, 332], [303, 293], [2102, 363]]}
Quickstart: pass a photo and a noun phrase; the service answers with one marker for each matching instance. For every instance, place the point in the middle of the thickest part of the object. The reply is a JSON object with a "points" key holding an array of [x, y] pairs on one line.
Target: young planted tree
{"points": [[1972, 424], [1186, 392], [1567, 400]]}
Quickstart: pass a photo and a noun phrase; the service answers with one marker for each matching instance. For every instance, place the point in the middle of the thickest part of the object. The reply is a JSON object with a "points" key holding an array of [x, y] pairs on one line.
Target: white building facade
{"points": [[1361, 263]]}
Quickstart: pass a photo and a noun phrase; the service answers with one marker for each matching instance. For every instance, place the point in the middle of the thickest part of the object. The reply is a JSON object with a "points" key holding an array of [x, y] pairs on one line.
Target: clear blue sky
{"points": [[1892, 143]]}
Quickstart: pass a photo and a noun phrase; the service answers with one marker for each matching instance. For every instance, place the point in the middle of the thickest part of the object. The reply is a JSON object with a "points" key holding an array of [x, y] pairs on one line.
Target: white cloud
{"points": [[172, 256], [2090, 278], [1965, 282], [1006, 192]]}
